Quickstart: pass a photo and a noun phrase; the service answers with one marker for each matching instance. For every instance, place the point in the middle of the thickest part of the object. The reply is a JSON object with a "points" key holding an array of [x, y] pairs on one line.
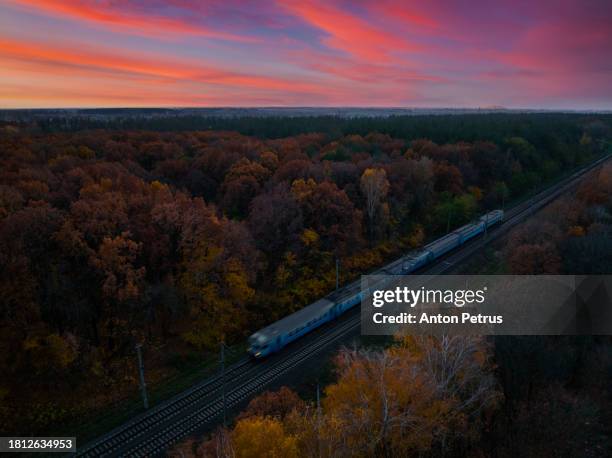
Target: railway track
{"points": [[151, 433]]}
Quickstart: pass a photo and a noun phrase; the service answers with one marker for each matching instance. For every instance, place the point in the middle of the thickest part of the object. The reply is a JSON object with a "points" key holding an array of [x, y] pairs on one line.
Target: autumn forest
{"points": [[180, 234]]}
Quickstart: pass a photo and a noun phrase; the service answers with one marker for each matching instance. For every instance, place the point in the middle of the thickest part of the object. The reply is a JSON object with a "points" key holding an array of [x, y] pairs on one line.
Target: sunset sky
{"points": [[553, 54]]}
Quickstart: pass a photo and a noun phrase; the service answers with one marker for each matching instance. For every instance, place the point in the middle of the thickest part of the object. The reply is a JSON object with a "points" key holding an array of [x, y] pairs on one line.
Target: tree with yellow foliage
{"points": [[381, 405], [256, 437], [423, 395]]}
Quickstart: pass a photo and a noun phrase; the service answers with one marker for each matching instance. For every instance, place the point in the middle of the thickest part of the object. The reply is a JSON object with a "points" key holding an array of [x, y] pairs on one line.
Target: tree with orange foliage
{"points": [[532, 248], [121, 280], [328, 211], [448, 178], [534, 259], [461, 369], [275, 404], [252, 437], [421, 395], [381, 405]]}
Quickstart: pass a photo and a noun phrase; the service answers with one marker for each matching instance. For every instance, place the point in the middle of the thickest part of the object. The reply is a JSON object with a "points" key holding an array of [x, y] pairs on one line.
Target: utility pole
{"points": [[337, 272], [318, 420], [223, 383], [143, 385]]}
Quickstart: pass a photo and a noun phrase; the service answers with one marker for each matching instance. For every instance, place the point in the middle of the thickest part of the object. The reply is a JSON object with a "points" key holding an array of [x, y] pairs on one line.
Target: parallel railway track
{"points": [[151, 433]]}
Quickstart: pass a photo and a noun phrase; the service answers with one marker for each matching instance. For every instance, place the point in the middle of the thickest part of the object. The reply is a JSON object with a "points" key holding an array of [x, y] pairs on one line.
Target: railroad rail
{"points": [[154, 431]]}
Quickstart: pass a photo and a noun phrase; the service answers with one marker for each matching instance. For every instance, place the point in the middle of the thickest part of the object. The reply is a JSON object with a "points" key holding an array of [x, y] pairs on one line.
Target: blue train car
{"points": [[469, 231], [415, 260], [444, 245], [493, 217], [275, 336], [272, 338]]}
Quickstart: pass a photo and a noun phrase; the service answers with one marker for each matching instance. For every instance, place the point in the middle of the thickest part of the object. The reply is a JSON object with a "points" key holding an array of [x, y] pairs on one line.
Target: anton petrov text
{"points": [[487, 304]]}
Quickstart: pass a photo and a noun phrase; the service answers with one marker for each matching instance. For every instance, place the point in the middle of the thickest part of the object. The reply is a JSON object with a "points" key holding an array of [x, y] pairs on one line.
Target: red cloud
{"points": [[405, 12], [348, 32], [56, 58], [106, 14]]}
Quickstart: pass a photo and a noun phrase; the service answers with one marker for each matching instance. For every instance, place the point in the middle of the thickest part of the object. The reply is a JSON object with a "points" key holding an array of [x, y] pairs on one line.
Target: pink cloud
{"points": [[107, 14], [348, 32], [55, 58]]}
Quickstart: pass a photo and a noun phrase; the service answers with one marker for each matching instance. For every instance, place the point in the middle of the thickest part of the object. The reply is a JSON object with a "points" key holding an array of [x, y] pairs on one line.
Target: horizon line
{"points": [[315, 107]]}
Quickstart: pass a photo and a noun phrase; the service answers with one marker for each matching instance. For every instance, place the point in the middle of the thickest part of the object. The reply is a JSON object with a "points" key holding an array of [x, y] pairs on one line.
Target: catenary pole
{"points": [[337, 272], [143, 385], [223, 384]]}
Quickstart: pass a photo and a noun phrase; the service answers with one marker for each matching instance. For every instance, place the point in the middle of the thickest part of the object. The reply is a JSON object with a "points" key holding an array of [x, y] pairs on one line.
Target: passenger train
{"points": [[277, 335]]}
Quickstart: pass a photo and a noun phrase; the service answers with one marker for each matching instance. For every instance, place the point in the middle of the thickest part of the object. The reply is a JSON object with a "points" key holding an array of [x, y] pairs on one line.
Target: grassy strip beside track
{"points": [[104, 420]]}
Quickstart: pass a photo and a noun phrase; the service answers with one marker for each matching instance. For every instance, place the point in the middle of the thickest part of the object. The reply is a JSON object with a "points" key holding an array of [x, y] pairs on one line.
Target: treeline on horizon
{"points": [[538, 128], [182, 239]]}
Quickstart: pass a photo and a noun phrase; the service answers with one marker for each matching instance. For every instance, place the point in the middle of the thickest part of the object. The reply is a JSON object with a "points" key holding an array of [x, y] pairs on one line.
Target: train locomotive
{"points": [[284, 331]]}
